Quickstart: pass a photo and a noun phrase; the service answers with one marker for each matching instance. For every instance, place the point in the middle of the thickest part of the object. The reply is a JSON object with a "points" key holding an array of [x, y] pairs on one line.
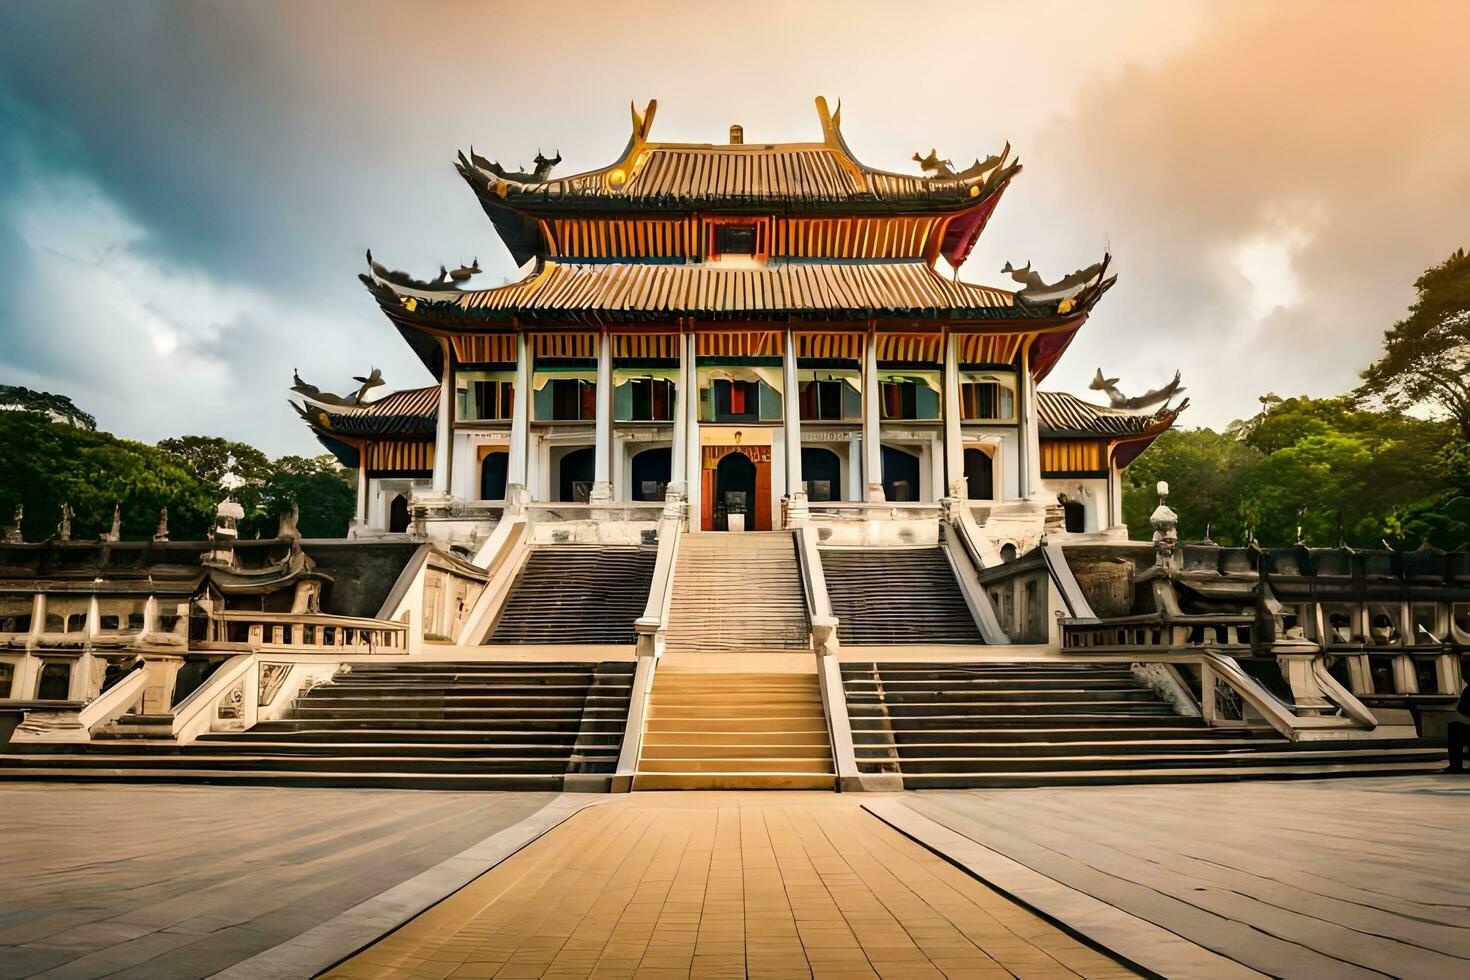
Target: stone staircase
{"points": [[526, 726], [573, 594], [735, 731], [738, 592], [896, 596], [997, 725]]}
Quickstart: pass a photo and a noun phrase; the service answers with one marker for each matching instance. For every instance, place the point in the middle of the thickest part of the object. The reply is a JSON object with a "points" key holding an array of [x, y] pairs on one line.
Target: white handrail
{"points": [[194, 708], [115, 701]]}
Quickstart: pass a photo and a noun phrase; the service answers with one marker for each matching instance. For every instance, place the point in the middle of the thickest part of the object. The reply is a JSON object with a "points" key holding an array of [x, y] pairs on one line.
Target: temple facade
{"points": [[759, 333], [738, 485]]}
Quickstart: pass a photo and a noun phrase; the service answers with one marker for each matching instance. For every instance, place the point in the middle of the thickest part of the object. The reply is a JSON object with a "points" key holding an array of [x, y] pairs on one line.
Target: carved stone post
{"points": [[1166, 528]]}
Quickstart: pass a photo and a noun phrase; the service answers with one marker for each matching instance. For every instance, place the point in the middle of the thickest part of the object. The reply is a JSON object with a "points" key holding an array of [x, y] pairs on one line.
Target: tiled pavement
{"points": [[180, 881], [734, 884]]}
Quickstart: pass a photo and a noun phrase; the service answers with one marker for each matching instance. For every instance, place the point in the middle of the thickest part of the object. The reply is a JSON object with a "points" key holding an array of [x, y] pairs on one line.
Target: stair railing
{"points": [[965, 564], [651, 629], [77, 723], [501, 558], [814, 585]]}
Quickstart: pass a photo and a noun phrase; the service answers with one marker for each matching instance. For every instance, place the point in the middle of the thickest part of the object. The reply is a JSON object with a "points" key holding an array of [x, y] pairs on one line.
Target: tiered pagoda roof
{"points": [[787, 178], [1063, 416]]}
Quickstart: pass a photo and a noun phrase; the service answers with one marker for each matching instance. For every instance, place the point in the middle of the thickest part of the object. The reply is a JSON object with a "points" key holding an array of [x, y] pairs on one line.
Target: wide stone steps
{"points": [[735, 731], [572, 594], [939, 726], [896, 596], [738, 592], [363, 730]]}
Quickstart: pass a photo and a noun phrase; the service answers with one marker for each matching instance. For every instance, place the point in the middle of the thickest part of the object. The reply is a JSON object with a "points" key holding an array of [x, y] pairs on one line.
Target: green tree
{"points": [[59, 407], [324, 492], [1426, 355], [1206, 471], [44, 463]]}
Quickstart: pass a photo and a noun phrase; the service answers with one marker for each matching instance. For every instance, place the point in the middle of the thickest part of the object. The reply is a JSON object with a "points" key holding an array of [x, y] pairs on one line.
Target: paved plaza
{"points": [[1317, 878]]}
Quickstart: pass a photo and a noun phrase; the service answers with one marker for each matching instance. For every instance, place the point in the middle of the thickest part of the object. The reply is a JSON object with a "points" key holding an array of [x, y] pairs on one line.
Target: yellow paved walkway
{"points": [[727, 885]]}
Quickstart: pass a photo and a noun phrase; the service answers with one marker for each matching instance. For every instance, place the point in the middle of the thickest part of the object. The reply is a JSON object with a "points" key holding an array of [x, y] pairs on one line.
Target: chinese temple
{"points": [[737, 485]]}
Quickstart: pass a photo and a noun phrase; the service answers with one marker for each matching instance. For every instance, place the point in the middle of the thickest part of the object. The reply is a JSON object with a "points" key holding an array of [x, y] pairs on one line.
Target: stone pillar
{"points": [[954, 439], [520, 427], [444, 434], [1027, 445], [796, 502], [693, 459], [872, 438], [362, 488], [678, 491], [602, 439], [159, 672]]}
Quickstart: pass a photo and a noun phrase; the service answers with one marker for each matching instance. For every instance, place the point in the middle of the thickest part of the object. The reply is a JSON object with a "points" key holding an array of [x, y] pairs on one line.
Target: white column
{"points": [[679, 458], [602, 452], [954, 440], [362, 487], [1030, 451], [872, 440], [693, 459], [796, 506], [520, 426], [444, 433]]}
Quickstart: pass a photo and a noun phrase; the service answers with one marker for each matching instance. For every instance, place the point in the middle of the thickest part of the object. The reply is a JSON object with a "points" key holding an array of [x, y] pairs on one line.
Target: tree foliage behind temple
{"points": [[1337, 472], [44, 463]]}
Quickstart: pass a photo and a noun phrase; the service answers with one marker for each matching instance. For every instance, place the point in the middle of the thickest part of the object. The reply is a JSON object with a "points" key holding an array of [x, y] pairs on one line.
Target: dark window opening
{"points": [[979, 475], [55, 682], [737, 401], [822, 400], [985, 400], [7, 678], [575, 479], [573, 400], [653, 399], [900, 399], [735, 240], [493, 475], [108, 622], [15, 624], [492, 400], [821, 471], [398, 514], [900, 475], [1076, 516], [651, 471]]}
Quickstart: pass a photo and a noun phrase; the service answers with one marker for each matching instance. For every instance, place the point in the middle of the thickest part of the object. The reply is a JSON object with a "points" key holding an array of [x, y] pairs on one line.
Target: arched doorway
{"points": [[492, 475], [821, 470], [979, 475], [576, 468], [398, 514], [734, 490], [900, 475], [652, 470]]}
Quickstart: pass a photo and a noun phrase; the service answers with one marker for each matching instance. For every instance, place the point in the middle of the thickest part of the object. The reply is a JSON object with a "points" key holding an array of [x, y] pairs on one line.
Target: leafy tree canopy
{"points": [[1426, 355], [44, 463], [59, 407]]}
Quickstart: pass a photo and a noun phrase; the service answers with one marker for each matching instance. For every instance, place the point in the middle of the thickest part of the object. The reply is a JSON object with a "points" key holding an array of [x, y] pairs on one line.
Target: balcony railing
{"points": [[303, 633]]}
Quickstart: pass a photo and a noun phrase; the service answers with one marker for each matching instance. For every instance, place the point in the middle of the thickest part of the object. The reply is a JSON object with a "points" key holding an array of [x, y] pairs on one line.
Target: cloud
{"points": [[1272, 191]]}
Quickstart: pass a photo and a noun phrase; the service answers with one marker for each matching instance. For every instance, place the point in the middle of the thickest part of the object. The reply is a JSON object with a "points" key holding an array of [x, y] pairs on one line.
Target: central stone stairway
{"points": [[738, 591], [574, 594], [708, 730], [896, 596], [473, 725], [1038, 724]]}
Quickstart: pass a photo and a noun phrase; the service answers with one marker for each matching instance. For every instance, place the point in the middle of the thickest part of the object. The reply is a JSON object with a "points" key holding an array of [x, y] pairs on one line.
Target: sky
{"points": [[187, 190]]}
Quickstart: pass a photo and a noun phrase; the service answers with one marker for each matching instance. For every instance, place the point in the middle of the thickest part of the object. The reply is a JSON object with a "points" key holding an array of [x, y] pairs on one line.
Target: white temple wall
{"points": [[1093, 494]]}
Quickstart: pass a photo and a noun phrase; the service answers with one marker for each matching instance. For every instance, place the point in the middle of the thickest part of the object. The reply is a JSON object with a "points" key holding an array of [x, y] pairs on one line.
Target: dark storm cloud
{"points": [[186, 190]]}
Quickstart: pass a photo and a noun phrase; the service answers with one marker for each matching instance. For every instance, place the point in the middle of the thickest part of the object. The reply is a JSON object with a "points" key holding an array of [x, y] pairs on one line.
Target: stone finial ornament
{"points": [[12, 534], [63, 529], [1166, 527], [116, 533], [161, 534], [286, 530]]}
